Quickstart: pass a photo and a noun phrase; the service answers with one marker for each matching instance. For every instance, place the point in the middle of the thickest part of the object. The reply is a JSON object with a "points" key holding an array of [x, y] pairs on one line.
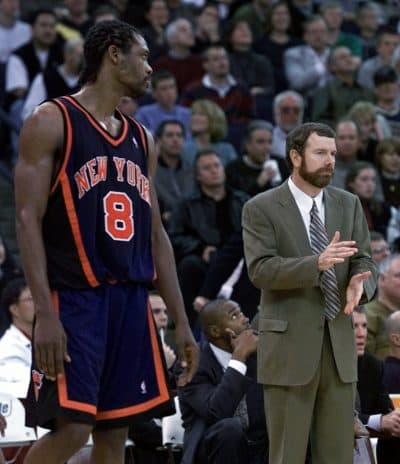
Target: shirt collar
{"points": [[223, 357], [303, 200]]}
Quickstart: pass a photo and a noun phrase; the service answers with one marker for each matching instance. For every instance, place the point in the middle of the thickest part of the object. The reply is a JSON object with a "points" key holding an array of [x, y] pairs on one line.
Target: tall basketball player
{"points": [[91, 240]]}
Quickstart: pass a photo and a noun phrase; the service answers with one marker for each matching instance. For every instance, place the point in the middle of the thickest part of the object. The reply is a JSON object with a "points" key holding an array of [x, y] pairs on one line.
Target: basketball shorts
{"points": [[117, 373]]}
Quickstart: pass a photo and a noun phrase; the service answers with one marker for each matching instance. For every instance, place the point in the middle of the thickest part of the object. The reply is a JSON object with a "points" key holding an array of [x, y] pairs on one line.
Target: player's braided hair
{"points": [[99, 38]]}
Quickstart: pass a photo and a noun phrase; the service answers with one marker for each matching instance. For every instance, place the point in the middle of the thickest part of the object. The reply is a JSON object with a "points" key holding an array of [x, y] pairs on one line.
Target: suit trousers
{"points": [[321, 412]]}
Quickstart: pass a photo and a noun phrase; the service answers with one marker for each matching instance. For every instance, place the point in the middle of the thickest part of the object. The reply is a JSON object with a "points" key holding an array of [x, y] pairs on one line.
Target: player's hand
{"points": [[355, 290], [336, 252], [244, 344], [3, 425], [188, 353], [391, 423], [169, 355], [50, 345], [199, 302]]}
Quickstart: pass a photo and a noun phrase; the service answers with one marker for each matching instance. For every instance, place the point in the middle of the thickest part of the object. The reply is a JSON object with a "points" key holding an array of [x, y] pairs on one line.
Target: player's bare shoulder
{"points": [[43, 132]]}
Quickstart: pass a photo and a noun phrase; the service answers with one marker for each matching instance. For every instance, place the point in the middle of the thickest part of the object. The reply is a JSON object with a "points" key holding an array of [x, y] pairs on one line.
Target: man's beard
{"points": [[319, 178]]}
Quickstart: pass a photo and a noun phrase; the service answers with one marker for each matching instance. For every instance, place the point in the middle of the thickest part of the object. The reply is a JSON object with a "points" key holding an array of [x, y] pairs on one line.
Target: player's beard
{"points": [[319, 178]]}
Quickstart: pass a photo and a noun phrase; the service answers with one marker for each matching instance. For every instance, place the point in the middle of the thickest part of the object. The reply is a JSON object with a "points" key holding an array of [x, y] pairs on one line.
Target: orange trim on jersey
{"points": [[67, 142], [113, 141], [76, 232], [62, 384], [143, 137], [161, 381]]}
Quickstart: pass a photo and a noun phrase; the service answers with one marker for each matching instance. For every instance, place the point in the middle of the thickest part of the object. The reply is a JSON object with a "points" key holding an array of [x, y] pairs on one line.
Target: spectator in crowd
{"points": [[276, 40], [219, 85], [184, 65], [222, 88], [165, 107], [332, 101], [372, 128], [8, 266], [306, 65], [383, 306], [333, 14], [300, 12], [222, 408], [348, 145], [256, 171], [161, 319], [74, 20], [380, 249], [256, 13], [13, 32], [387, 161], [56, 81], [207, 27], [157, 16], [376, 408], [174, 177], [386, 88], [246, 66], [361, 179], [387, 42], [368, 20], [288, 108], [202, 224], [105, 12], [391, 370], [42, 52], [208, 128], [15, 343]]}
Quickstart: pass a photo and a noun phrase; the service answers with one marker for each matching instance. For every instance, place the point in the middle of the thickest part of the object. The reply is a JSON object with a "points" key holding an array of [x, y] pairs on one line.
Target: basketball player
{"points": [[89, 232]]}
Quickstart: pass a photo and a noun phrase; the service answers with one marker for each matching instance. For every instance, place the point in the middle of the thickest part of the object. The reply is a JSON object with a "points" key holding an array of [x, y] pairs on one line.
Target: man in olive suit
{"points": [[307, 249]]}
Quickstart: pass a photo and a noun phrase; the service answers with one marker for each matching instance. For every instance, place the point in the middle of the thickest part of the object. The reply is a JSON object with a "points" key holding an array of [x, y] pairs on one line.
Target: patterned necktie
{"points": [[329, 286]]}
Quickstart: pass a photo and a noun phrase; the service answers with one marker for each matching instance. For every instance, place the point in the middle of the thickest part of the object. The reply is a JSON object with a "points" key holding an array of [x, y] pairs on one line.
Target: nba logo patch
{"points": [[135, 142], [37, 379], [143, 389]]}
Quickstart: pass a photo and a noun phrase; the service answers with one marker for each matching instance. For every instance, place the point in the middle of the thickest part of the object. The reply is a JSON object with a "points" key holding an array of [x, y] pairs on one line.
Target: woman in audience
{"points": [[372, 127], [208, 127], [276, 40], [361, 180], [387, 161]]}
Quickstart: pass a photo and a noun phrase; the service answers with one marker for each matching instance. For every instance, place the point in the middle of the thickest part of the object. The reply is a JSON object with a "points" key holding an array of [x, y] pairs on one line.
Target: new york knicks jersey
{"points": [[97, 226]]}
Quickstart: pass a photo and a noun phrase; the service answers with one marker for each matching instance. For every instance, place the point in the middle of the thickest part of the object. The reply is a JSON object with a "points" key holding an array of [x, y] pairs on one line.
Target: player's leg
{"points": [[59, 445], [109, 446]]}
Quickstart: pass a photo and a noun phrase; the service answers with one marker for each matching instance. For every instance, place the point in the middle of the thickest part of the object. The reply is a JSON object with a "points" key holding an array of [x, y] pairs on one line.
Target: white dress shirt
{"points": [[225, 360]]}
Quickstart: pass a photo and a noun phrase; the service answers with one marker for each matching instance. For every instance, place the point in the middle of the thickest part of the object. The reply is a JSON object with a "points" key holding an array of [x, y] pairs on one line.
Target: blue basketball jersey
{"points": [[97, 226]]}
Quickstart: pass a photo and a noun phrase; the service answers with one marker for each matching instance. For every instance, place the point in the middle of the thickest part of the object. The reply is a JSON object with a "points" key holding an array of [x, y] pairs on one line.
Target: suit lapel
{"points": [[294, 222], [333, 213]]}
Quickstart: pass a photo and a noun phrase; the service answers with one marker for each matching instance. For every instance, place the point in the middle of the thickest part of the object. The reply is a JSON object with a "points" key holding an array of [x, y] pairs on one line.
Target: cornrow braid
{"points": [[99, 38]]}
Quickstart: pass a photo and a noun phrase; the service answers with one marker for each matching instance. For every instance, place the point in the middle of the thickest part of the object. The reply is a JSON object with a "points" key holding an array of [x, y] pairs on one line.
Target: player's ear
{"points": [[114, 54]]}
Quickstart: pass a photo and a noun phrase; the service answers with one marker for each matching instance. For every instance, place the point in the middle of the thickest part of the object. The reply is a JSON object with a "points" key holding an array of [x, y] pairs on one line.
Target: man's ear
{"points": [[114, 54], [395, 338], [13, 310], [295, 158], [214, 331]]}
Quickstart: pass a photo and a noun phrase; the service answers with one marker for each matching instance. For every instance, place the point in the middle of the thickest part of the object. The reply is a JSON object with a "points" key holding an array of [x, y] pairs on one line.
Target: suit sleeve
{"points": [[266, 269], [362, 261], [215, 402]]}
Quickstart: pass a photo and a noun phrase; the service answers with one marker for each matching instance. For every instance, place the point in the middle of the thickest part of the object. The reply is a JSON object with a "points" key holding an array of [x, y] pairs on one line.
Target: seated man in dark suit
{"points": [[376, 408], [222, 408], [391, 371]]}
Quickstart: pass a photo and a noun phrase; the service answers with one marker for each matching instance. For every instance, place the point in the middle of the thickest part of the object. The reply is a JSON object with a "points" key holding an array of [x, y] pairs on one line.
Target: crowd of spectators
{"points": [[231, 78]]}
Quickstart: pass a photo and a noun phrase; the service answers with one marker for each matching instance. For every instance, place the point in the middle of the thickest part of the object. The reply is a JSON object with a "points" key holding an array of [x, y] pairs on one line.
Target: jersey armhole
{"points": [[67, 142]]}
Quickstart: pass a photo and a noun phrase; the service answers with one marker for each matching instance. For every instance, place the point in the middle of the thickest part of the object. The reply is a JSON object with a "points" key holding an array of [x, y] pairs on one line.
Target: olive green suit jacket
{"points": [[281, 263]]}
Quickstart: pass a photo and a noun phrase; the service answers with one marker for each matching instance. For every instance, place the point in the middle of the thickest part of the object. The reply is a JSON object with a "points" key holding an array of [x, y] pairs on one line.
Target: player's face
{"points": [[23, 310], [135, 69], [318, 160], [232, 318], [360, 331], [160, 311]]}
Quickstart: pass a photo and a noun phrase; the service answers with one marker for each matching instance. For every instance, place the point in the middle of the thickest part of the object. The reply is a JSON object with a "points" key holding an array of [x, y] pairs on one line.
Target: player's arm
{"points": [[40, 139], [167, 281]]}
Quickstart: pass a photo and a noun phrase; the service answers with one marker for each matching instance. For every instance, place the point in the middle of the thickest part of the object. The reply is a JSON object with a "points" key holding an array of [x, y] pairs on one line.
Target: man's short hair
{"points": [[10, 295], [161, 128], [385, 75], [161, 75]]}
